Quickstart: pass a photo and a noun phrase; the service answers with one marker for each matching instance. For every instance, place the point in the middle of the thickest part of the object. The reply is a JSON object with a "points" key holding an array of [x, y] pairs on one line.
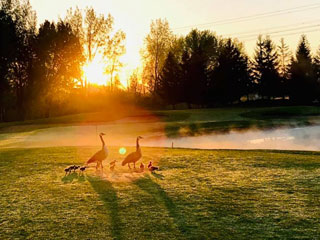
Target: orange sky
{"points": [[134, 18]]}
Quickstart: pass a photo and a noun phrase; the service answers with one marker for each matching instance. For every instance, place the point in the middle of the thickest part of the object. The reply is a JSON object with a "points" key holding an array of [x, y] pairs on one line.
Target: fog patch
{"points": [[123, 133]]}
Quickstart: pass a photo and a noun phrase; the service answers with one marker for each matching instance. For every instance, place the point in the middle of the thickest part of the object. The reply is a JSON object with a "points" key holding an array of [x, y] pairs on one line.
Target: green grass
{"points": [[198, 194]]}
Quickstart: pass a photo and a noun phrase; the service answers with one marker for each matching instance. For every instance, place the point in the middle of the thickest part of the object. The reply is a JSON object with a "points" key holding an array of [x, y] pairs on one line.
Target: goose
{"points": [[112, 165], [75, 167], [151, 167], [82, 169], [142, 167], [67, 170], [134, 156], [101, 155]]}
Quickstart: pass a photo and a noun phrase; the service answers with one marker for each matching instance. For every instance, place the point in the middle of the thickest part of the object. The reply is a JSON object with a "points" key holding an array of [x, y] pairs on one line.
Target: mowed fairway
{"points": [[198, 194]]}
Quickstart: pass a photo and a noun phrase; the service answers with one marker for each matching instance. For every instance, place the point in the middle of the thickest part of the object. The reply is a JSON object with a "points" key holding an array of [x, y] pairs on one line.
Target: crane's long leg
{"points": [[129, 165]]}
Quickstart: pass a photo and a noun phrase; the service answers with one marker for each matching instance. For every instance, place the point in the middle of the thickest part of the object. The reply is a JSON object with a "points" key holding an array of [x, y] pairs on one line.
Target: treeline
{"points": [[41, 67], [205, 70]]}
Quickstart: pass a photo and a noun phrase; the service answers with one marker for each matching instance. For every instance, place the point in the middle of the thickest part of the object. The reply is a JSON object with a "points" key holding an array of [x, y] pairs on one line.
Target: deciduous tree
{"points": [[157, 44], [114, 49], [93, 30], [59, 56]]}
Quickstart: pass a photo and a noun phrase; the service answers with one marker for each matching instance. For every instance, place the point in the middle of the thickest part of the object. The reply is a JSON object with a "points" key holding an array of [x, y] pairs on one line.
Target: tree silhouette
{"points": [[18, 43], [93, 31], [8, 41], [21, 77], [265, 68], [284, 66], [59, 56], [97, 30], [303, 83], [198, 57], [114, 49], [133, 87], [230, 78], [285, 56], [317, 72], [170, 81]]}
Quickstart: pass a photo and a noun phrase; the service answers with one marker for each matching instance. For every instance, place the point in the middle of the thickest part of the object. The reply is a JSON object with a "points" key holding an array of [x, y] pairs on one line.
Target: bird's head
{"points": [[139, 137], [102, 134]]}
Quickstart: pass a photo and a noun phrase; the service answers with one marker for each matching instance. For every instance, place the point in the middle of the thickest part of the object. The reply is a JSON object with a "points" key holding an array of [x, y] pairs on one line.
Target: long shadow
{"points": [[109, 197], [157, 175], [69, 178], [159, 195]]}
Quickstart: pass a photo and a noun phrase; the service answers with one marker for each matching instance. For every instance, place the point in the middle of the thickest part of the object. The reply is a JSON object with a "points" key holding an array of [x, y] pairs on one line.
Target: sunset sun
{"points": [[93, 72]]}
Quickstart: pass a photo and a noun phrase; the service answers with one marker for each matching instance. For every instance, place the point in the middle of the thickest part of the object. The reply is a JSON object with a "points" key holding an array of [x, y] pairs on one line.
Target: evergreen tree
{"points": [[284, 66], [170, 86], [284, 59], [265, 68], [316, 62], [200, 52], [303, 84], [230, 78]]}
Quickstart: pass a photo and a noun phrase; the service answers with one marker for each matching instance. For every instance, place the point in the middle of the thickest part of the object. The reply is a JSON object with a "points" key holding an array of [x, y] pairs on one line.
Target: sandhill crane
{"points": [[134, 156], [100, 155]]}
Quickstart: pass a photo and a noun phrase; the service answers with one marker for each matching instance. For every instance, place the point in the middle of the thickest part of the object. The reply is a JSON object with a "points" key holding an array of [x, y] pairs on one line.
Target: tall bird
{"points": [[101, 155], [134, 156]]}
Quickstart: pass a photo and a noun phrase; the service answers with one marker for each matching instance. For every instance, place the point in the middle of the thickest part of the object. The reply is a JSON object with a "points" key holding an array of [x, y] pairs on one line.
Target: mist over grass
{"points": [[197, 120]]}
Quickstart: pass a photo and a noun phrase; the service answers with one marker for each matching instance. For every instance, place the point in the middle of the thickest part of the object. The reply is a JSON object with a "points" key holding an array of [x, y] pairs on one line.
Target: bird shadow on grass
{"points": [[160, 196], [157, 175], [108, 195], [69, 178]]}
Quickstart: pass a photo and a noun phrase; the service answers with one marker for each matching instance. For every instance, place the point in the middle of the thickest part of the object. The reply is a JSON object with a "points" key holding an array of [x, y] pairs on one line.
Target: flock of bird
{"points": [[74, 168], [101, 155]]}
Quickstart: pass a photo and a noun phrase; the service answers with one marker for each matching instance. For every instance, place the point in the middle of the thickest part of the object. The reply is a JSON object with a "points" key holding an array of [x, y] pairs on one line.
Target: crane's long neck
{"points": [[138, 146], [103, 144]]}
